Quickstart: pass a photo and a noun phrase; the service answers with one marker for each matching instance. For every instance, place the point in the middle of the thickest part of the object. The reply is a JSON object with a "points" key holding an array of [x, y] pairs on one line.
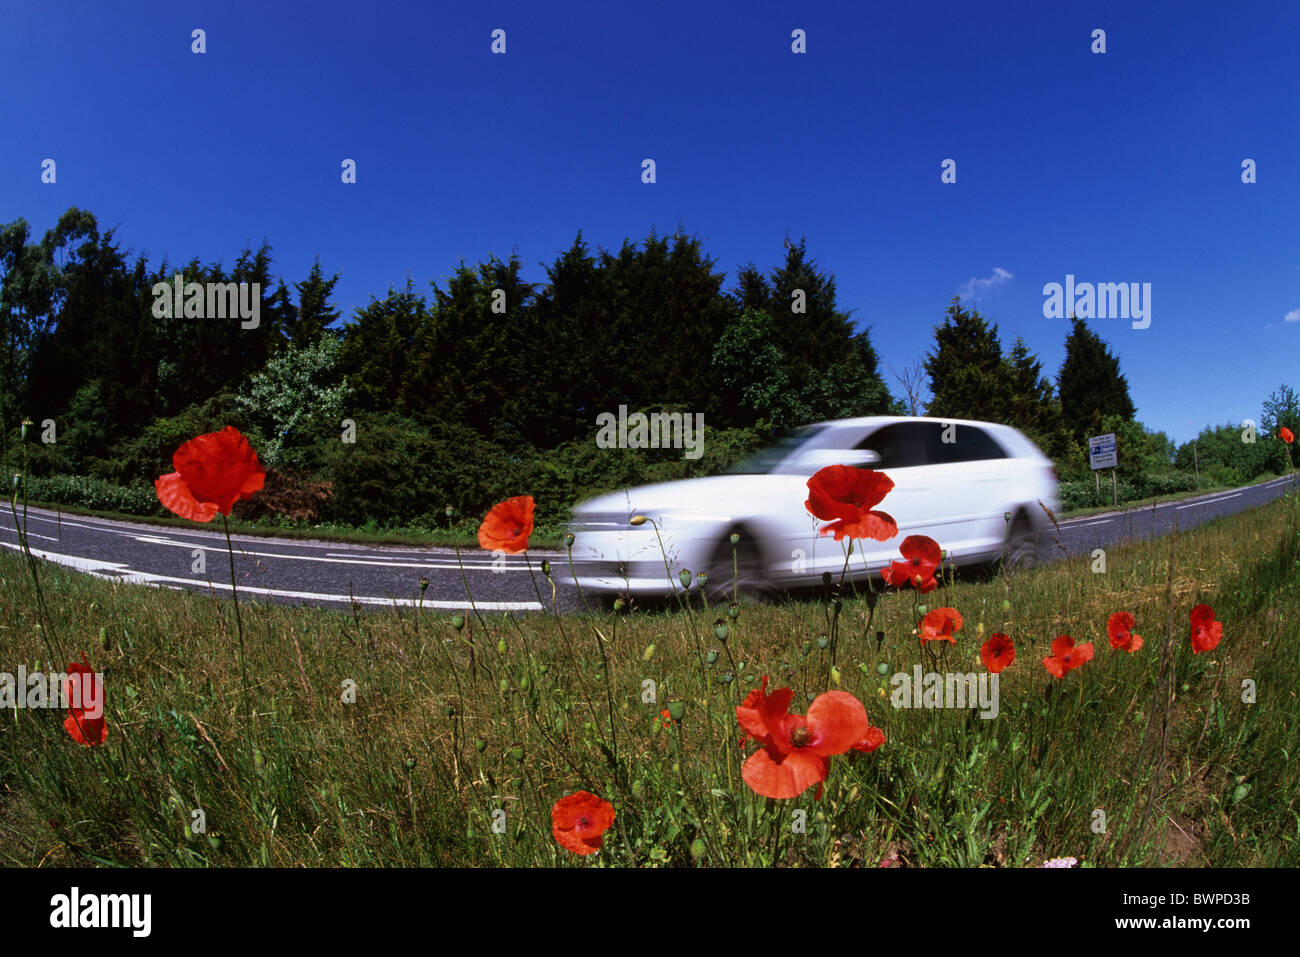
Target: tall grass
{"points": [[507, 713]]}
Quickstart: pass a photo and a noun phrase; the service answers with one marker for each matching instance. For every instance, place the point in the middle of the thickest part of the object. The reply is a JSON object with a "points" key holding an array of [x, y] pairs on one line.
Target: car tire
{"points": [[739, 571], [1023, 538]]}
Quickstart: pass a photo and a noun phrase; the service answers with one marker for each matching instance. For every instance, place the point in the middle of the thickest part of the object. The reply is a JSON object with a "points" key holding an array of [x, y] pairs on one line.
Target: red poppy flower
{"points": [[1286, 435], [1066, 656], [923, 556], [997, 653], [873, 739], [213, 472], [795, 749], [1206, 632], [84, 693], [940, 624], [580, 821], [844, 496], [508, 525], [1120, 628]]}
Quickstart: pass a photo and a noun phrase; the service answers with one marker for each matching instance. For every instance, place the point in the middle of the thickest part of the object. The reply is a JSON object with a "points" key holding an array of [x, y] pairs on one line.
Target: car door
{"points": [[968, 471]]}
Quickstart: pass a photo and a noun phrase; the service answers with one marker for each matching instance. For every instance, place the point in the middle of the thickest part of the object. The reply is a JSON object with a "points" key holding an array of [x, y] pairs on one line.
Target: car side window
{"points": [[901, 445], [970, 444]]}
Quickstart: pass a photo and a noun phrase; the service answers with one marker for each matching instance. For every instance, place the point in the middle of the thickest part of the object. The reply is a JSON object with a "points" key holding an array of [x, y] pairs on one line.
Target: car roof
{"points": [[862, 421]]}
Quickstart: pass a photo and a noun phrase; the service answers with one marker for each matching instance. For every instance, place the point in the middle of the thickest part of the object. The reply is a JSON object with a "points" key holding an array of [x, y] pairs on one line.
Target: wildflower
{"points": [[844, 496], [940, 624], [1120, 628], [997, 653], [1066, 656], [1206, 632], [213, 472], [580, 821], [796, 749], [1286, 435], [507, 525], [85, 694], [923, 556]]}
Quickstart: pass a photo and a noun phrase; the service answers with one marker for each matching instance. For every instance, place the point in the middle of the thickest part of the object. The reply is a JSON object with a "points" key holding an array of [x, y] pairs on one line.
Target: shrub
{"points": [[82, 492]]}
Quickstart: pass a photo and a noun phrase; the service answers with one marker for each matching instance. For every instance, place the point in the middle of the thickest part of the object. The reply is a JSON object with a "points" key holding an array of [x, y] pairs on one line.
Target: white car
{"points": [[980, 490]]}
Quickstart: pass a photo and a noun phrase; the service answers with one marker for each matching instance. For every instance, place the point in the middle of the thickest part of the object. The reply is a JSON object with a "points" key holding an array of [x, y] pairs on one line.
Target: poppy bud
{"points": [[684, 576], [676, 708], [880, 639], [636, 520], [649, 652], [701, 578], [504, 686], [516, 752], [835, 674], [735, 538], [722, 630], [733, 611], [822, 642], [501, 646], [480, 745], [620, 603], [638, 788], [712, 656], [424, 585], [258, 760], [698, 849], [458, 622], [546, 567], [525, 683], [1006, 605], [542, 669], [750, 679], [568, 539], [103, 639]]}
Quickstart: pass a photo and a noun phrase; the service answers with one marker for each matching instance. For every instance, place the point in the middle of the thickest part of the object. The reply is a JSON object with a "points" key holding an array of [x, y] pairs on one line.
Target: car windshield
{"points": [[760, 463]]}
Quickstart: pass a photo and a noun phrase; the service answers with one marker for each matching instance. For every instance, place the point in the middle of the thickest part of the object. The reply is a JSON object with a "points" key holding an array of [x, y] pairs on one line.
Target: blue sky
{"points": [[1115, 167]]}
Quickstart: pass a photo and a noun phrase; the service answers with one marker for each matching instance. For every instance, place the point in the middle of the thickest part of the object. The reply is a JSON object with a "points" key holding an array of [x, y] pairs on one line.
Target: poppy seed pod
{"points": [[722, 630], [882, 668], [701, 578], [698, 849], [410, 764], [458, 622], [568, 539], [449, 511], [727, 677], [733, 611], [735, 538], [424, 585], [620, 603], [822, 642], [712, 655], [684, 576], [516, 752], [480, 745], [23, 431], [676, 708]]}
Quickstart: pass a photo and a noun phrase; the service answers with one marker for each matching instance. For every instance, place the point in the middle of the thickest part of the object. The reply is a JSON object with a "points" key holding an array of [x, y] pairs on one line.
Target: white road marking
{"points": [[115, 571], [1210, 501]]}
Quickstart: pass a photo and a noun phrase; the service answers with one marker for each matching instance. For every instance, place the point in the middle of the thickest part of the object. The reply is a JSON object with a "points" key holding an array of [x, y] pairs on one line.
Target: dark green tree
{"points": [[967, 371], [315, 313], [1090, 383]]}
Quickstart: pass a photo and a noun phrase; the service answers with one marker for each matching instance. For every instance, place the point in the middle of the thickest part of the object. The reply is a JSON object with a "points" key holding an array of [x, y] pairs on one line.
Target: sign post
{"points": [[1103, 454]]}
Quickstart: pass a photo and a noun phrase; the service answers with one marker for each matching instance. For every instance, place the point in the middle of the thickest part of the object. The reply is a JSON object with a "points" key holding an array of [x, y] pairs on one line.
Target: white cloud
{"points": [[1293, 315], [974, 287]]}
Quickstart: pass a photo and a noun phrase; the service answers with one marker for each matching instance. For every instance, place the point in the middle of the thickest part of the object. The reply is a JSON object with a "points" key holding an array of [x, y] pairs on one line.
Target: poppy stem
{"points": [[239, 621]]}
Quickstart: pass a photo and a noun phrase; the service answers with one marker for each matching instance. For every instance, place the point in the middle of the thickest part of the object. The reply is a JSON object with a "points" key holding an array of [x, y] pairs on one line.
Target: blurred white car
{"points": [[976, 488]]}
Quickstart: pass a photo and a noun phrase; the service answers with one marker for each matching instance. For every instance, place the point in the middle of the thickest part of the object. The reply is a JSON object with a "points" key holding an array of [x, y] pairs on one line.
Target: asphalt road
{"points": [[331, 574]]}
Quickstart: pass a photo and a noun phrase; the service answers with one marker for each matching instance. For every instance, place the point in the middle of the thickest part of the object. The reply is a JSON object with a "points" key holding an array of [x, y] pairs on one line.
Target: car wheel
{"points": [[1021, 548], [739, 571]]}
